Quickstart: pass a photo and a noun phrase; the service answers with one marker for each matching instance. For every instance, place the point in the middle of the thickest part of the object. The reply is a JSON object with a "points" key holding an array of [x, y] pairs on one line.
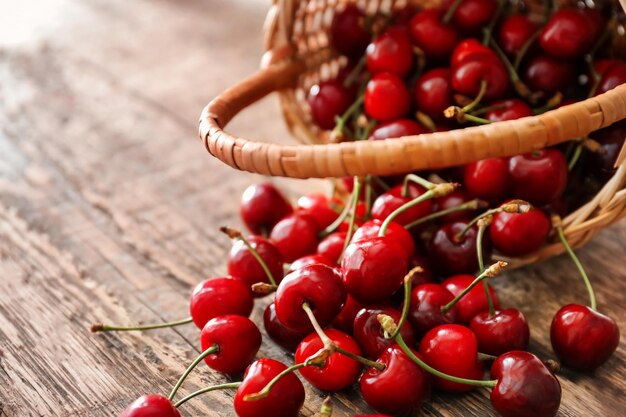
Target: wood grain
{"points": [[109, 209]]}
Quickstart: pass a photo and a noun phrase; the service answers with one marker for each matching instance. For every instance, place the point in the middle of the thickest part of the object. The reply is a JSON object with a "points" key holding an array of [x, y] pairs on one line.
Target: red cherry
{"points": [[469, 48], [284, 400], [402, 16], [612, 76], [242, 264], [395, 231], [392, 51], [433, 93], [425, 307], [452, 349], [307, 260], [454, 199], [262, 206], [570, 33], [487, 179], [386, 97], [525, 386], [317, 285], [518, 234], [370, 335], [215, 297], [510, 109], [373, 269], [472, 15], [434, 37], [611, 139], [327, 100], [151, 405], [539, 177], [397, 129], [401, 388], [347, 33], [503, 332], [474, 301], [322, 209], [582, 338], [388, 202], [339, 371], [449, 255], [331, 246], [345, 319], [515, 32], [295, 236], [549, 75], [238, 340], [284, 337], [468, 76]]}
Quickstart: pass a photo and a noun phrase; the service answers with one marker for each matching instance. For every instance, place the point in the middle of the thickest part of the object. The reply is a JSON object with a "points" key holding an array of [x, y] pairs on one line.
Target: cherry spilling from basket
{"points": [[384, 282]]}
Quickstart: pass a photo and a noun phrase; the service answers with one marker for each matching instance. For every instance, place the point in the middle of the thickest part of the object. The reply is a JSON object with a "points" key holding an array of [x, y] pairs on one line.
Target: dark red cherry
{"points": [[426, 275], [317, 285], [395, 231], [582, 338], [327, 100], [399, 389], [284, 400], [315, 259], [449, 254], [468, 76], [262, 206], [373, 269], [370, 335], [611, 139], [345, 319], [612, 76], [388, 202], [331, 246], [474, 301], [386, 97], [503, 332], [397, 129], [546, 74], [452, 349], [515, 32], [469, 48], [433, 93], [281, 335], [242, 264], [525, 387], [392, 51], [322, 209], [471, 16], [434, 37], [339, 371], [518, 234], [571, 33], [510, 109], [488, 179], [238, 340], [454, 199], [295, 236], [151, 405], [215, 297], [425, 307], [348, 33], [539, 177]]}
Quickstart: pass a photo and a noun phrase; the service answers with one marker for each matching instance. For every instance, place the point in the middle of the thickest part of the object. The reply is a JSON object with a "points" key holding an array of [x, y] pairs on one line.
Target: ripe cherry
{"points": [[392, 51], [472, 15], [215, 297], [281, 335], [328, 100], [510, 109], [237, 340], [151, 405], [388, 202], [315, 259], [454, 199], [548, 75], [450, 253], [401, 388], [348, 33], [397, 129], [487, 179], [295, 236], [345, 319], [503, 332], [515, 32], [474, 302], [425, 307], [242, 263], [322, 209], [518, 234], [570, 33], [469, 48], [539, 177], [611, 140], [369, 334], [433, 93], [262, 206], [386, 97], [613, 74], [285, 399], [395, 231], [434, 37], [332, 245], [468, 76]]}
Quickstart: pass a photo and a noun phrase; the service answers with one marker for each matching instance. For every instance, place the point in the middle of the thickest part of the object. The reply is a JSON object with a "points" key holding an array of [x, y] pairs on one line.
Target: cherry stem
{"points": [[490, 272], [328, 343], [487, 109], [369, 191], [513, 206], [482, 227], [99, 327], [519, 86], [576, 156], [388, 325], [407, 298], [267, 388], [448, 16], [355, 204], [237, 235], [326, 410], [211, 350], [552, 102], [354, 73], [340, 219], [486, 357], [470, 205], [409, 178], [475, 119], [590, 57], [519, 57], [492, 23], [341, 120], [556, 223], [426, 120], [481, 93], [207, 389], [382, 184]]}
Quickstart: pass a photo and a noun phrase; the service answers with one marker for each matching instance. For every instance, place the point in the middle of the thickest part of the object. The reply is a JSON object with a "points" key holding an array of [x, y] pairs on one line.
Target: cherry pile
{"points": [[383, 284]]}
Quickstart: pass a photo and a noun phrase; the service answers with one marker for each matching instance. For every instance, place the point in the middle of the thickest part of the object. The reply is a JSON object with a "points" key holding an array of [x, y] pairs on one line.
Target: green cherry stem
{"points": [[482, 227], [237, 235], [100, 327], [211, 350], [326, 410], [448, 16], [578, 150], [460, 114], [379, 182], [340, 121], [556, 223], [486, 357], [340, 219], [490, 272], [590, 57], [470, 205], [513, 206], [519, 86], [267, 388], [412, 178], [492, 23], [354, 73], [407, 298], [524, 50], [369, 193], [207, 389], [355, 204]]}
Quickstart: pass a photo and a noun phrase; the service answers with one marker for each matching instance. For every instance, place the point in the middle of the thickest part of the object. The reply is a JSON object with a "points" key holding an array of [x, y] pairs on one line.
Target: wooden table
{"points": [[109, 208]]}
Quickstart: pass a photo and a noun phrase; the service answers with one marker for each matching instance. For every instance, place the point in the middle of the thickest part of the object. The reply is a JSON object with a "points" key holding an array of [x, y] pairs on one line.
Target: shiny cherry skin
{"points": [[469, 48], [425, 307], [397, 129], [515, 31], [518, 234], [242, 264], [215, 297], [510, 109], [452, 349], [392, 51], [339, 371], [348, 33], [370, 335], [426, 275], [582, 338], [388, 202], [454, 199], [295, 236], [503, 332], [262, 206], [434, 37], [474, 301], [395, 231], [570, 33], [525, 387], [281, 335], [472, 15], [399, 389], [344, 321], [151, 405], [322, 209], [548, 75], [611, 139], [487, 179], [315, 259], [612, 76], [373, 269], [331, 246], [386, 97], [468, 75], [327, 100], [451, 256], [318, 285], [539, 177], [433, 92], [284, 400], [238, 340]]}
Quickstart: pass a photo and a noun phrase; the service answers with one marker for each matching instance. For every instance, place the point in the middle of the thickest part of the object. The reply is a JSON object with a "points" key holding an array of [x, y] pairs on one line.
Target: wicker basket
{"points": [[298, 56]]}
